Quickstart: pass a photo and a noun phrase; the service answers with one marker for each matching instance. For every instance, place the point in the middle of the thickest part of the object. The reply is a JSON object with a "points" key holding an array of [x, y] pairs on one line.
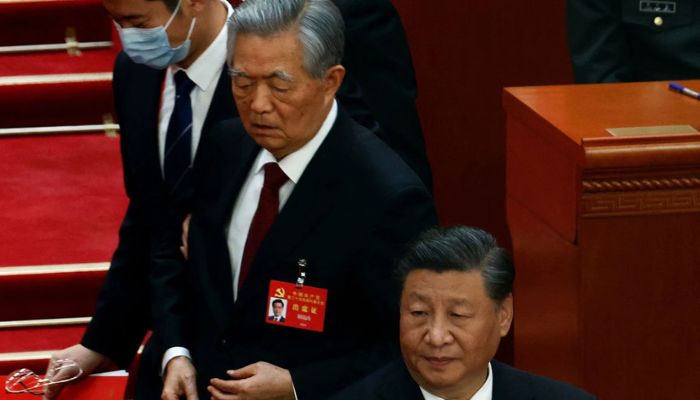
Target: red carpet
{"points": [[61, 103], [61, 196], [56, 62], [43, 340], [48, 295], [14, 340], [89, 388], [62, 199], [45, 21]]}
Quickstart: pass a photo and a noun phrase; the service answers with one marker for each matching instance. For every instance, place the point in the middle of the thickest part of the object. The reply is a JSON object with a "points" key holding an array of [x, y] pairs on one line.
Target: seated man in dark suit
{"points": [[294, 201], [456, 305]]}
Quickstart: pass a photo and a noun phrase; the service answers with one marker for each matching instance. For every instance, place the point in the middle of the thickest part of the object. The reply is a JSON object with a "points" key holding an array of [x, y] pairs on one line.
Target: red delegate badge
{"points": [[302, 308]]}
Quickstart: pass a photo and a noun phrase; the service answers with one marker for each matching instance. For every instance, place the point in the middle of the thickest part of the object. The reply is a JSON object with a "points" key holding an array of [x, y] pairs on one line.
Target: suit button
{"points": [[658, 21], [224, 342]]}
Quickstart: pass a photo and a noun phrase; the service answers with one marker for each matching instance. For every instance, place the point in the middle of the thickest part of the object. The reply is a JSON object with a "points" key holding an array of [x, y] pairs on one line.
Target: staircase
{"points": [[62, 195]]}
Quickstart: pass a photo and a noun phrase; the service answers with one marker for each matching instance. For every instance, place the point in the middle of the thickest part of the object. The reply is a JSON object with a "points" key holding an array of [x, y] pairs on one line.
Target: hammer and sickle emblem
{"points": [[279, 292]]}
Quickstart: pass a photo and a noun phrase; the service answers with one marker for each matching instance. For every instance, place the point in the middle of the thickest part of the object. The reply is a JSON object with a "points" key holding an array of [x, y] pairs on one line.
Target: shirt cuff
{"points": [[172, 353]]}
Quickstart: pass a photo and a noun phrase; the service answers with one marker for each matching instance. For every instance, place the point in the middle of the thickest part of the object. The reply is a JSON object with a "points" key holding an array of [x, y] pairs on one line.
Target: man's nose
{"points": [[261, 103], [439, 333]]}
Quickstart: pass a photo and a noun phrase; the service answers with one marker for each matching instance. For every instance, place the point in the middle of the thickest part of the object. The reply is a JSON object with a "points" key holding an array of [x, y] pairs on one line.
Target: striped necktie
{"points": [[178, 140]]}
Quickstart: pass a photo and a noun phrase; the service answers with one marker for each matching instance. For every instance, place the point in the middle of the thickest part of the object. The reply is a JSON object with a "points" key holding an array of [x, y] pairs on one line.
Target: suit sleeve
{"points": [[597, 41], [168, 288], [404, 217], [170, 291], [121, 317], [379, 65]]}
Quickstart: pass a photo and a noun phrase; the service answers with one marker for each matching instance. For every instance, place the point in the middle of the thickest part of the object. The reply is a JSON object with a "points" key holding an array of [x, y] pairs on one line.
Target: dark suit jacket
{"points": [[121, 317], [618, 41], [394, 382], [349, 216], [378, 60]]}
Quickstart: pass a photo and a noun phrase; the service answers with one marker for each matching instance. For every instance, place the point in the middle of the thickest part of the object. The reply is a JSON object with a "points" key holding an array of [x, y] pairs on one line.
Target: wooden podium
{"points": [[606, 237]]}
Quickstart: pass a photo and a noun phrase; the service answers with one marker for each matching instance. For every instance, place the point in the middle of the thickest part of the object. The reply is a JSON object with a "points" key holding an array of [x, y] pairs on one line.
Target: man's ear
{"points": [[505, 315], [333, 79]]}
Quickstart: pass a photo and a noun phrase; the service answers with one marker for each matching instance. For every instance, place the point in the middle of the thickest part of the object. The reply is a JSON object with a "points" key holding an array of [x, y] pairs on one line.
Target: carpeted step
{"points": [[36, 361], [39, 339], [53, 100], [94, 387], [63, 199], [32, 346], [45, 308], [56, 62], [25, 22], [47, 292], [49, 89]]}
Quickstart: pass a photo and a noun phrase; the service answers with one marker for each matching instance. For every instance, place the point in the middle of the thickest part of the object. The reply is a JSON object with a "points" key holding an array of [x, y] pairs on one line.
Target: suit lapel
{"points": [[218, 271], [238, 171], [312, 198]]}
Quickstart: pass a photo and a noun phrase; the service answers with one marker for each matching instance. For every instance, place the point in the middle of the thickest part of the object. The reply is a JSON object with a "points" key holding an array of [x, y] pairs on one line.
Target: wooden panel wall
{"points": [[465, 52]]}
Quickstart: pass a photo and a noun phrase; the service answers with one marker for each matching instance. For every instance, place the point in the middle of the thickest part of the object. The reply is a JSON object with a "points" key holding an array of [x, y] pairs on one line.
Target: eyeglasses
{"points": [[26, 381]]}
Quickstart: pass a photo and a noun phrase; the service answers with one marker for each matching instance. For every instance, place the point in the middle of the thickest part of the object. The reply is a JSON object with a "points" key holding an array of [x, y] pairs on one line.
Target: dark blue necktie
{"points": [[178, 140]]}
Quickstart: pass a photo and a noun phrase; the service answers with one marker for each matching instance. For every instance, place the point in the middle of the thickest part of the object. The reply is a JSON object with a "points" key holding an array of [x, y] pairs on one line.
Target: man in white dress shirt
{"points": [[160, 39]]}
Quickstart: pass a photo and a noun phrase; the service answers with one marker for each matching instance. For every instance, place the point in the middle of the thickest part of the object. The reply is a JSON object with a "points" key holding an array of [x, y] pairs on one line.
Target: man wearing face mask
{"points": [[170, 86]]}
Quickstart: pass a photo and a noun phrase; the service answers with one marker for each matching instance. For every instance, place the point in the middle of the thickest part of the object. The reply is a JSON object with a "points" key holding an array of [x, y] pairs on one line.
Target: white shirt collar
{"points": [[205, 70], [295, 163], [484, 393]]}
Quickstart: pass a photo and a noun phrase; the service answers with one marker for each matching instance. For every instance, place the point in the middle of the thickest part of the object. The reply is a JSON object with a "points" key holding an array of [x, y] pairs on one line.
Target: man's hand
{"points": [[180, 380], [89, 361], [259, 381], [185, 234]]}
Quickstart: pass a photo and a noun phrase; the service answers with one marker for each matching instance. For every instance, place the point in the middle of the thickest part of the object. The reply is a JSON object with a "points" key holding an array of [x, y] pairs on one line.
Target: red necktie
{"points": [[268, 208]]}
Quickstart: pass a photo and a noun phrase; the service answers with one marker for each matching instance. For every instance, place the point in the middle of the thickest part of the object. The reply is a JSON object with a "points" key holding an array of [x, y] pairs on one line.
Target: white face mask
{"points": [[151, 47]]}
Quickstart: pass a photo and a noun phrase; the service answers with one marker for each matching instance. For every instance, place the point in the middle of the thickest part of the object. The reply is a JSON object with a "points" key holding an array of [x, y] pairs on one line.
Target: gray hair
{"points": [[461, 248], [319, 22]]}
